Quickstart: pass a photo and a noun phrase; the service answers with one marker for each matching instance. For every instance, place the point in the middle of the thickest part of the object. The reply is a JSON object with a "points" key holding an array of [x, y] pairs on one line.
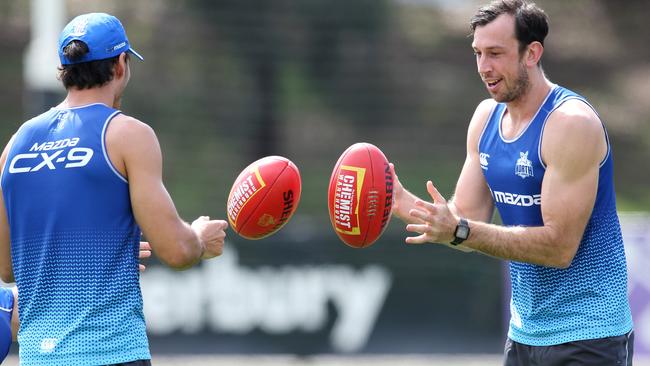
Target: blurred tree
{"points": [[338, 47]]}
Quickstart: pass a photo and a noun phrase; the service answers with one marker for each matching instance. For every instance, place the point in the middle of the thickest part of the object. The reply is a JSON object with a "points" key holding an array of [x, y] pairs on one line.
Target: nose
{"points": [[483, 64]]}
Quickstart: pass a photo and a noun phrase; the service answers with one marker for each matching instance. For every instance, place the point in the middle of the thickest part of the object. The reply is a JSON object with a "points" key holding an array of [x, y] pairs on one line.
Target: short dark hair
{"points": [[531, 23], [85, 75]]}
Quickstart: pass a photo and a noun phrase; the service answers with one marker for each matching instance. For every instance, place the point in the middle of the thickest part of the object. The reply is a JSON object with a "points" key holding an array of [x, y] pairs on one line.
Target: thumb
{"points": [[200, 219], [433, 192], [392, 171]]}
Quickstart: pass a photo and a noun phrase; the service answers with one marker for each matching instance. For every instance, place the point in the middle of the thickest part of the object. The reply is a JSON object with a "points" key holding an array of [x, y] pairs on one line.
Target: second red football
{"points": [[360, 195]]}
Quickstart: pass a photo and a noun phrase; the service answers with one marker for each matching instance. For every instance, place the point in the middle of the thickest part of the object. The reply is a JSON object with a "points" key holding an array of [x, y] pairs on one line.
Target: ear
{"points": [[534, 53], [120, 66]]}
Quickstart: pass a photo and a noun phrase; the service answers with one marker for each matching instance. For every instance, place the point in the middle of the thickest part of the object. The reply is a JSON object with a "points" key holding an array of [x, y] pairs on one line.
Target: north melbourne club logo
{"points": [[524, 167]]}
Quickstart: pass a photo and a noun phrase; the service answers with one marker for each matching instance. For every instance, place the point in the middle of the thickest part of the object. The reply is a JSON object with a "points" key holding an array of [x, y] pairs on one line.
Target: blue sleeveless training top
{"points": [[6, 307], [74, 243], [549, 306]]}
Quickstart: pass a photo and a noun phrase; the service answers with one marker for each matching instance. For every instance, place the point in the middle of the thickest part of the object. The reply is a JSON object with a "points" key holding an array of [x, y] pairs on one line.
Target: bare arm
{"points": [[134, 149], [472, 198], [6, 268], [573, 146]]}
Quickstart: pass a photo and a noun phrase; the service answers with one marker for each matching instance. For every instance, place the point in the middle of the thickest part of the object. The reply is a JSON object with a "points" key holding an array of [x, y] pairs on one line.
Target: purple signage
{"points": [[636, 235]]}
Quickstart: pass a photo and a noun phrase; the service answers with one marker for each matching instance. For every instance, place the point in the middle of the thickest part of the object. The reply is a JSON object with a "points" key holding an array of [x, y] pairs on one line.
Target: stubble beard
{"points": [[520, 88]]}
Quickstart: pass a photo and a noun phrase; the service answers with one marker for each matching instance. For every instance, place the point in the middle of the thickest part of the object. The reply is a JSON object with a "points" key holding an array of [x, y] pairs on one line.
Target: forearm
{"points": [[536, 245], [176, 244], [483, 211]]}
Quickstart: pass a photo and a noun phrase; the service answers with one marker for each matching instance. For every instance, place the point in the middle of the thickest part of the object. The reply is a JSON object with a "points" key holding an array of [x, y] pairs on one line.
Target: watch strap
{"points": [[459, 239]]}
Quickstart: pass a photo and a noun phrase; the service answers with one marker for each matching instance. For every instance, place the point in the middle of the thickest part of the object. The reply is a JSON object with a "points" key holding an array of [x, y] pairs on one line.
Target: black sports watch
{"points": [[461, 233]]}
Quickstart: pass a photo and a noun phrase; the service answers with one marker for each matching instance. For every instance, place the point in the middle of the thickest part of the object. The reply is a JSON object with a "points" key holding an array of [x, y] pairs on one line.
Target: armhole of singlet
{"points": [[105, 150], [485, 126], [541, 135]]}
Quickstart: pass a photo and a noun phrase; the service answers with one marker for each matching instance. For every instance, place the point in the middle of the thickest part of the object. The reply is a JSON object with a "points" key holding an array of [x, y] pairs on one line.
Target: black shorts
{"points": [[611, 351], [134, 363]]}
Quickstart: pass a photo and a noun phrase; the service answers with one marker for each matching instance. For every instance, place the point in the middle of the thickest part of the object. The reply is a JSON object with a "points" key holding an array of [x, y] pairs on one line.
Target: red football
{"points": [[264, 197], [360, 195]]}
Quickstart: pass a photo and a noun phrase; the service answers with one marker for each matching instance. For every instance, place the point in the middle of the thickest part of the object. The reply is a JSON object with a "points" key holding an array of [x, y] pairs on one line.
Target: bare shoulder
{"points": [[126, 132], [574, 129], [131, 143], [483, 111], [124, 126], [478, 121]]}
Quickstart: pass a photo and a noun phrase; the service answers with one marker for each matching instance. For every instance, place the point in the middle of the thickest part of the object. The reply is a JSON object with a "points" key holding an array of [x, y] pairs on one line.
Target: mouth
{"points": [[491, 84]]}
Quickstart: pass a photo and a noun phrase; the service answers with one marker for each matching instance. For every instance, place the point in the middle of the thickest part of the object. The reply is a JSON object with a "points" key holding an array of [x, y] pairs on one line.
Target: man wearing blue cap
{"points": [[79, 182]]}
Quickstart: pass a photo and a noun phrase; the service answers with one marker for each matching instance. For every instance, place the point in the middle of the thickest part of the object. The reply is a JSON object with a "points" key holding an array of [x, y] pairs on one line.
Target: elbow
{"points": [[7, 276], [561, 263], [563, 257]]}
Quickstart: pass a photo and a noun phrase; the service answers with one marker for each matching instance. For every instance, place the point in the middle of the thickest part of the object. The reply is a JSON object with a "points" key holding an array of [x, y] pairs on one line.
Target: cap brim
{"points": [[136, 54]]}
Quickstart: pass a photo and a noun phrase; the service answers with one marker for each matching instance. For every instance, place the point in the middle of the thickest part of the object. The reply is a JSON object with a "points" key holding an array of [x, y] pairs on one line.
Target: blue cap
{"points": [[102, 33]]}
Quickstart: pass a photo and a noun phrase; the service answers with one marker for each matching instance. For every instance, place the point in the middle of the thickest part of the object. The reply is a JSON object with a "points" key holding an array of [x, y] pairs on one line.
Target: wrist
{"points": [[461, 233], [197, 238], [202, 246]]}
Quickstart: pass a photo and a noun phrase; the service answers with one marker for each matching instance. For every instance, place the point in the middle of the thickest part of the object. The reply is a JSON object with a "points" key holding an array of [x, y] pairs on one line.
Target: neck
{"points": [[80, 97], [524, 108]]}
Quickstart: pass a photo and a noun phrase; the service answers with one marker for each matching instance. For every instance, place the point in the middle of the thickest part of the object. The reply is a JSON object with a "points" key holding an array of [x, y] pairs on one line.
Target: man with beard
{"points": [[541, 155]]}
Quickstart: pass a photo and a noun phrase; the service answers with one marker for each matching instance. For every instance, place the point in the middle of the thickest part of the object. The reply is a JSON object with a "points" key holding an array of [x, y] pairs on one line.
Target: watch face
{"points": [[462, 232]]}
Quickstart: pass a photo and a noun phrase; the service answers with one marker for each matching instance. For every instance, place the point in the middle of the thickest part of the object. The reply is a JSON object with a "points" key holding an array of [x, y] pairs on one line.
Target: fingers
{"points": [[212, 234], [433, 192], [145, 249], [219, 224], [429, 219], [145, 252], [223, 224], [423, 216], [429, 206], [425, 231], [144, 245], [421, 239]]}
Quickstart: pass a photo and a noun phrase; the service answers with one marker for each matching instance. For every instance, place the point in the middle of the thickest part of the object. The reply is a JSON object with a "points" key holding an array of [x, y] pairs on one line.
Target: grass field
{"points": [[288, 360]]}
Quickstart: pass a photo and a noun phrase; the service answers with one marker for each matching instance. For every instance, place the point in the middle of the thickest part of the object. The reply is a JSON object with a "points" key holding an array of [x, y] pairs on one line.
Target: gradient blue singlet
{"points": [[74, 243], [550, 306]]}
